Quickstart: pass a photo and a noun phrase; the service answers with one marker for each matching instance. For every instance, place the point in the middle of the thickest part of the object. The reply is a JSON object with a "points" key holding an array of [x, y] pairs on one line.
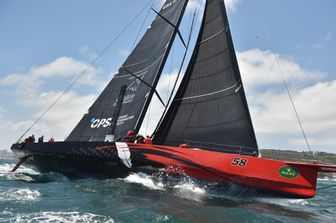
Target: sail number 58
{"points": [[239, 162]]}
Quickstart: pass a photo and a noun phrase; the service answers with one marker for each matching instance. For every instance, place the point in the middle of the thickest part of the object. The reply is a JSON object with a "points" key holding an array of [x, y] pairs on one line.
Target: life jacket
{"points": [[148, 141]]}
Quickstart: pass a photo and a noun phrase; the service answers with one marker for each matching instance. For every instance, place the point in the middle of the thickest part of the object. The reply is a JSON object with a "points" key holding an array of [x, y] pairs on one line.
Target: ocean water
{"points": [[29, 196]]}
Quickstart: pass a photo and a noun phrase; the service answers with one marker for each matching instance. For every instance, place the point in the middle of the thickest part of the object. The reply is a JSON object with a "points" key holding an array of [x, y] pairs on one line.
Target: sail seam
{"points": [[211, 74], [212, 56], [213, 36], [211, 93], [140, 71], [219, 124]]}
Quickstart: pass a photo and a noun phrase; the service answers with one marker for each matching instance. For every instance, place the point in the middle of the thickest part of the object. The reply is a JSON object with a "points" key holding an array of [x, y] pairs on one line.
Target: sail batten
{"points": [[146, 61], [210, 108]]}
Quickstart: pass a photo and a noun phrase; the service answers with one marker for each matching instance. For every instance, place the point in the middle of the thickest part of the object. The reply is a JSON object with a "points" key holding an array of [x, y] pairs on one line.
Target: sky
{"points": [[45, 45]]}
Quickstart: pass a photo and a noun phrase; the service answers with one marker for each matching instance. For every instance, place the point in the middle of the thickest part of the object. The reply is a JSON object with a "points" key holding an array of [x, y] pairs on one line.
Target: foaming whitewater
{"points": [[20, 195], [65, 217], [184, 187], [6, 168], [145, 180], [327, 179]]}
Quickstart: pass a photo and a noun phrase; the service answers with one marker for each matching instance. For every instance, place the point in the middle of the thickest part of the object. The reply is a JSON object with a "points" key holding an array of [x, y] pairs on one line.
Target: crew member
{"points": [[130, 137], [30, 139], [148, 140], [40, 139], [139, 139]]}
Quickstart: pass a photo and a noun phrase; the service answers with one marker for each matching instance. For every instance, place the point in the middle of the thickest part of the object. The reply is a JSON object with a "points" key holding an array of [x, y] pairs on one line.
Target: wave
{"points": [[285, 201], [27, 174], [46, 217], [190, 189], [145, 180], [184, 187], [327, 179], [6, 169], [20, 195]]}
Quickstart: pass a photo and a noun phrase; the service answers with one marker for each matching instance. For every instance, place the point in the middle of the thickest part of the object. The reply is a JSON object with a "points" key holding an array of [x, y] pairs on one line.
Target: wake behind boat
{"points": [[206, 131]]}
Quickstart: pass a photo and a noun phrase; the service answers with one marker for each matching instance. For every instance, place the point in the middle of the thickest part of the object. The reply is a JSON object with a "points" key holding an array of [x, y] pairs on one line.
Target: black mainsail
{"points": [[210, 108], [146, 62]]}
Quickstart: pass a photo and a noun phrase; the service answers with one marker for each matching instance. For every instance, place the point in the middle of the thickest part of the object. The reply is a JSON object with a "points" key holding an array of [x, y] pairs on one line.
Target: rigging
{"points": [[85, 70], [178, 75], [268, 37]]}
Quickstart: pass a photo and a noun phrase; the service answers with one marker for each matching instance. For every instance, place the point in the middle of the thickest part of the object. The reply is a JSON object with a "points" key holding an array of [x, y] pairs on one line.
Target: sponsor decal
{"points": [[124, 118], [106, 122], [288, 172], [97, 123], [168, 4], [136, 82]]}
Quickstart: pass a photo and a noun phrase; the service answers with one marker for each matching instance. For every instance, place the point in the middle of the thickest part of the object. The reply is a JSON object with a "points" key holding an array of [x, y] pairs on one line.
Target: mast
{"points": [[210, 109], [110, 137]]}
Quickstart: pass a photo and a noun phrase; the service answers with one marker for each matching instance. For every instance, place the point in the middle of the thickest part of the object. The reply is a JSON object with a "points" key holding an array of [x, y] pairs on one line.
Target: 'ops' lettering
{"points": [[97, 123]]}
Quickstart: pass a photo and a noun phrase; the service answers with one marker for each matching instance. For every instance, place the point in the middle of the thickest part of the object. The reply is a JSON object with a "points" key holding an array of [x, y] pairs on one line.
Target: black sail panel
{"points": [[146, 61], [210, 108]]}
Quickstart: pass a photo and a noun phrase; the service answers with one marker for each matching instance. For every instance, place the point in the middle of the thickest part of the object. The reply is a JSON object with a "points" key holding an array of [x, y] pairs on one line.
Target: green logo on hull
{"points": [[288, 172]]}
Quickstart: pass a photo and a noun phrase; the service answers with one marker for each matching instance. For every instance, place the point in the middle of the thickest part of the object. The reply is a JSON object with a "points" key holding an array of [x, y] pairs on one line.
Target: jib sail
{"points": [[210, 108]]}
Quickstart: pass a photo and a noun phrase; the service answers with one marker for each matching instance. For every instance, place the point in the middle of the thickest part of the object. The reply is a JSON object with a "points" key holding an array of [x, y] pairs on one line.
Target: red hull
{"points": [[288, 178], [296, 179]]}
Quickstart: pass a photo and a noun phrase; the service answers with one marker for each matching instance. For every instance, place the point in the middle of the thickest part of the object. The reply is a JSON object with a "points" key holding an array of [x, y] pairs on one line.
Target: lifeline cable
{"points": [[84, 71]]}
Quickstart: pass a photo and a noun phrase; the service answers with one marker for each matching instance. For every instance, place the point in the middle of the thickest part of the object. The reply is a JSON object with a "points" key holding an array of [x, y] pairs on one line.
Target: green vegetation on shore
{"points": [[288, 155]]}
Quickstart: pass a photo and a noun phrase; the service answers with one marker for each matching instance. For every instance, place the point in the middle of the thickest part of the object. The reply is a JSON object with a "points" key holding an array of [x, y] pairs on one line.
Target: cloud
{"points": [[2, 110], [273, 113], [10, 131], [195, 5], [57, 123], [260, 68], [321, 141], [61, 117], [63, 67], [34, 91], [271, 110], [87, 53], [231, 4], [323, 42]]}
